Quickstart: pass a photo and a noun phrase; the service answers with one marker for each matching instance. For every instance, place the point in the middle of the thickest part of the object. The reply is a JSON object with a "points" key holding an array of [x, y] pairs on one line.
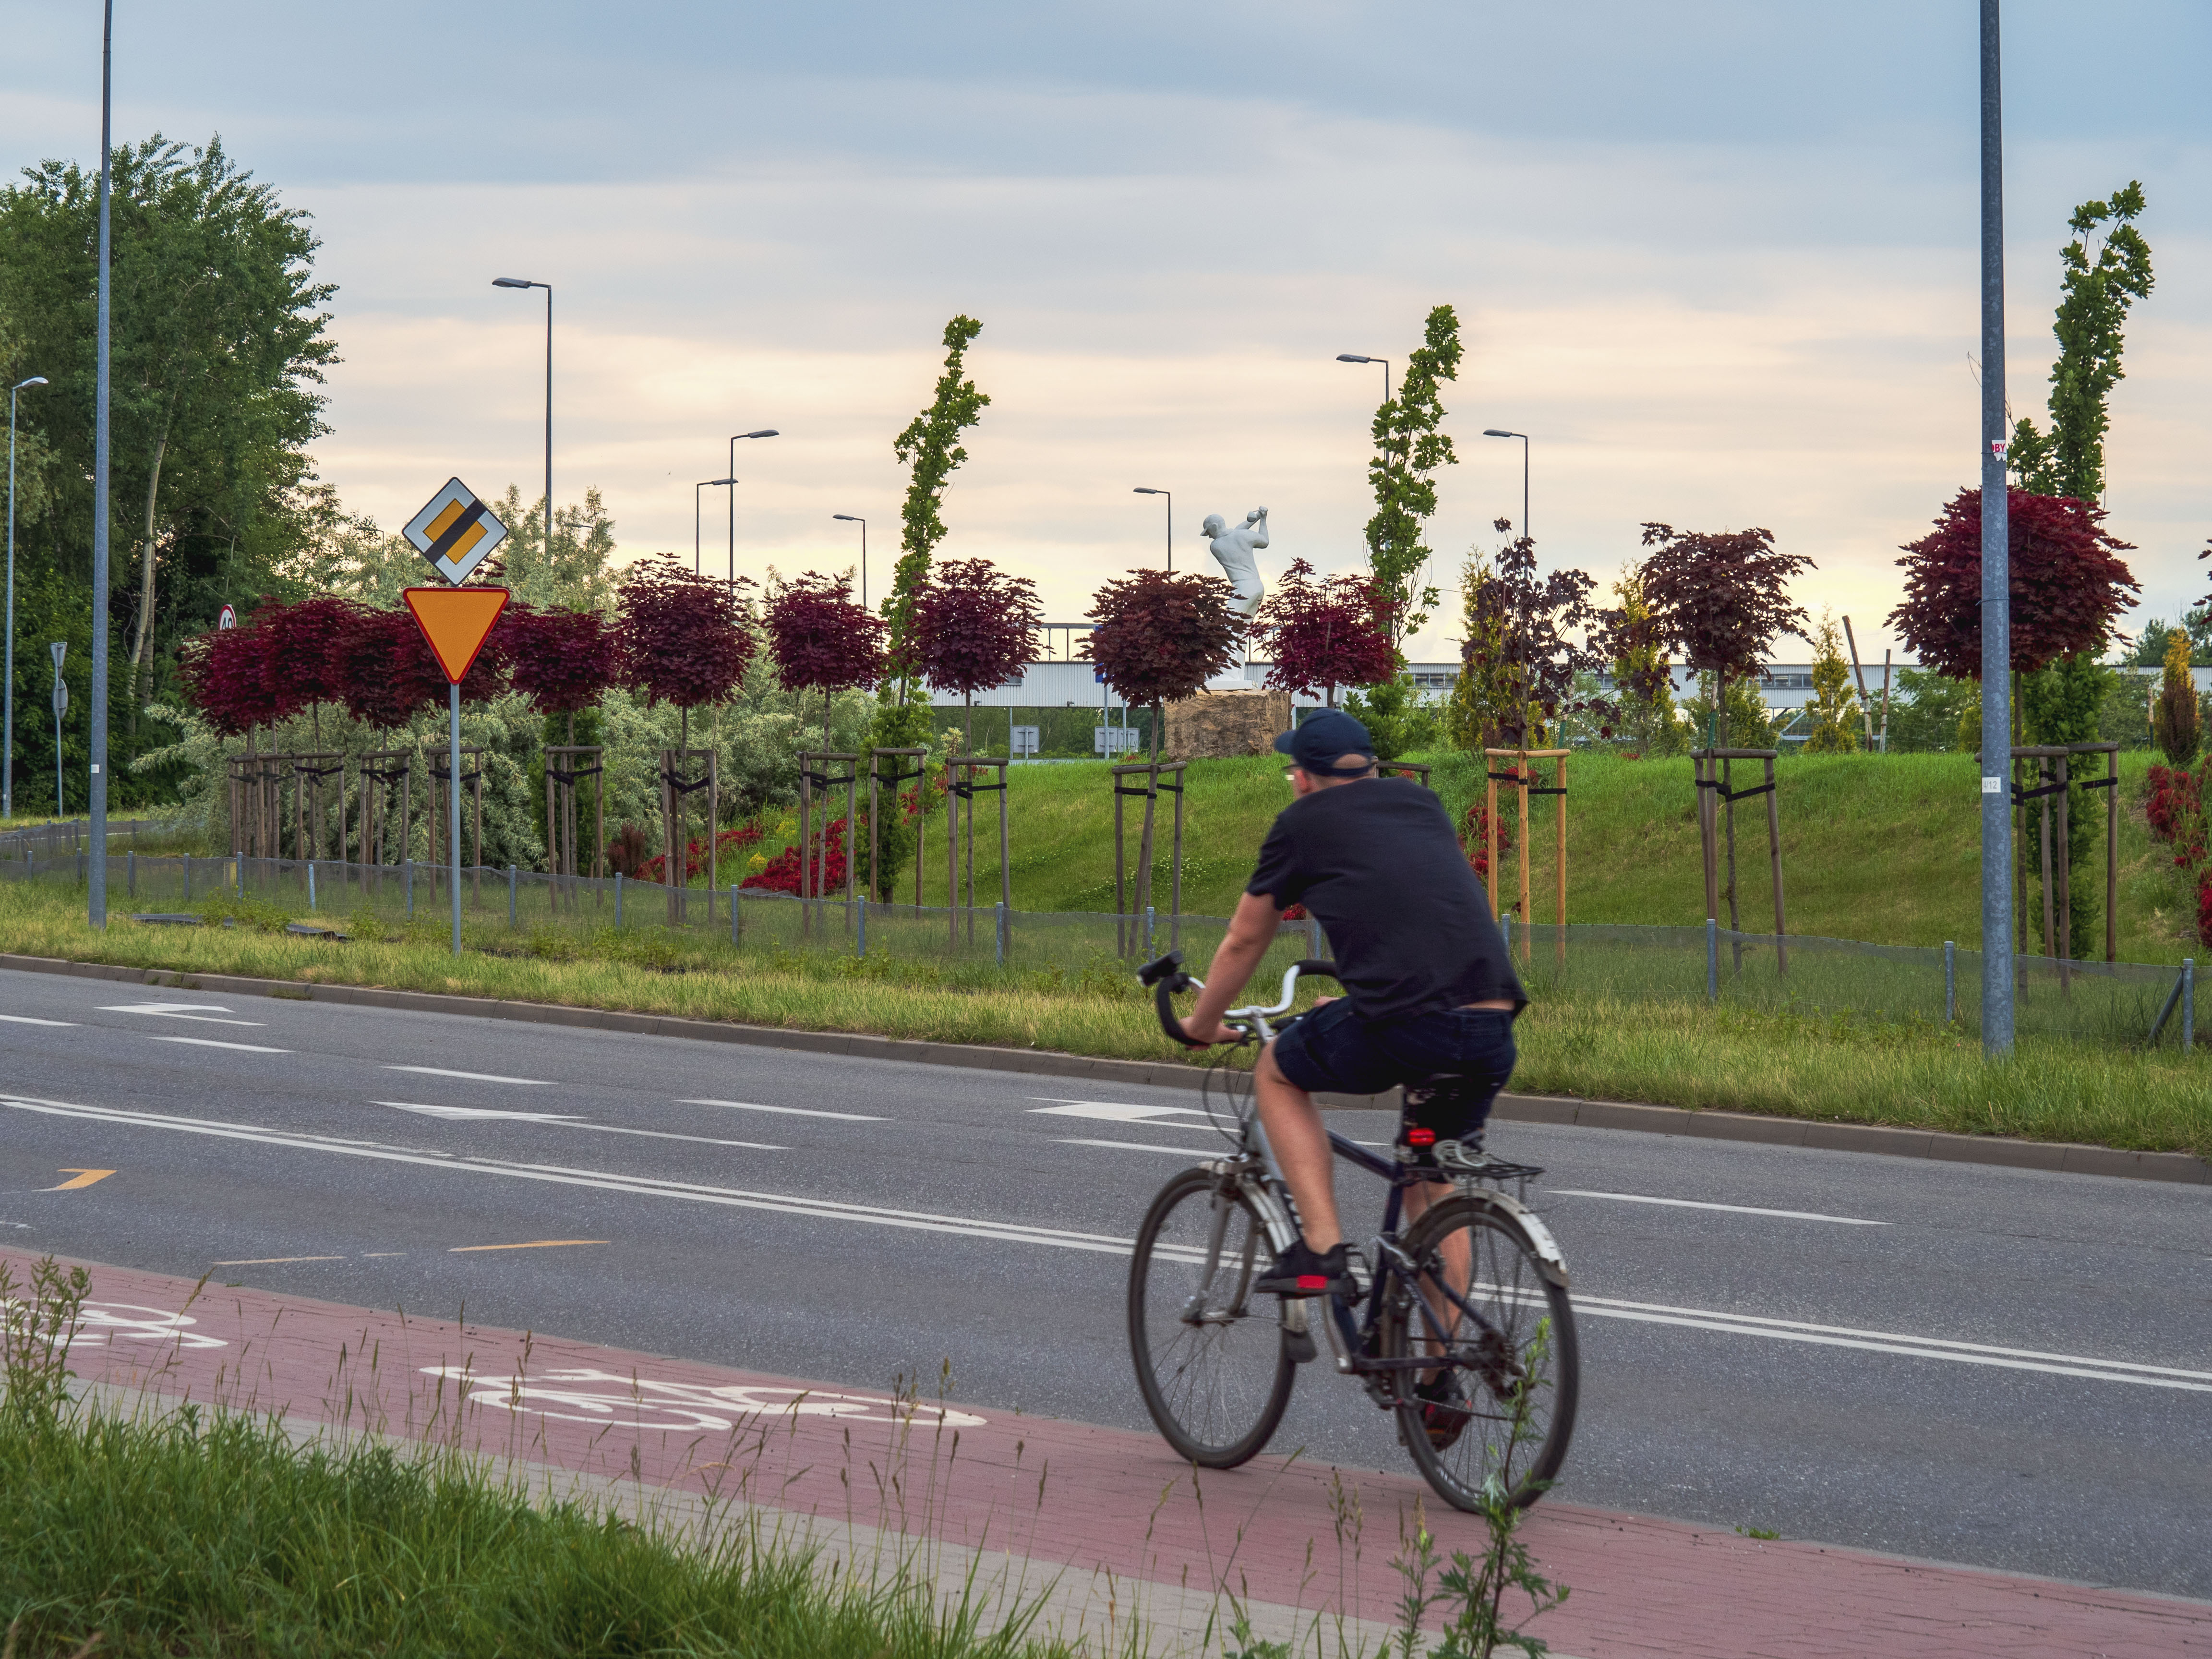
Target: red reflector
{"points": [[1313, 1281], [1421, 1137]]}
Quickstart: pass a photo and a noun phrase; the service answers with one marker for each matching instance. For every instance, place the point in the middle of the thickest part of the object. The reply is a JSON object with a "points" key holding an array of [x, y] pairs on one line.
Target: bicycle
{"points": [[1471, 1298]]}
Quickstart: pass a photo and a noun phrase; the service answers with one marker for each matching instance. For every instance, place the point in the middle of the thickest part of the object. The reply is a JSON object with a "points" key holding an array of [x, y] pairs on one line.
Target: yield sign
{"points": [[456, 621], [455, 532]]}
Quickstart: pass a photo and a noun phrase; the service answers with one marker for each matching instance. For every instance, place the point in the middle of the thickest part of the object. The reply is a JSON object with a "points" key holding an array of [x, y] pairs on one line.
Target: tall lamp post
{"points": [[8, 720], [1170, 494], [703, 484], [102, 449], [1494, 432], [766, 432], [524, 281], [1996, 575], [848, 518], [1354, 357]]}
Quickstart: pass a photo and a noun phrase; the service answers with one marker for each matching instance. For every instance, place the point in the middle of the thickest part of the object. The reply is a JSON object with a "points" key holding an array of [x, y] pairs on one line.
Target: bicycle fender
{"points": [[1551, 1264]]}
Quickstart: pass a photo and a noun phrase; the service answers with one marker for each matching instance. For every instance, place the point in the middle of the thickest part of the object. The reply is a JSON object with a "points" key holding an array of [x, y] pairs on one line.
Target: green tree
{"points": [[930, 448], [1833, 712], [2061, 704], [1925, 713], [2174, 716], [2098, 289], [1642, 679], [1750, 724], [2149, 649], [1409, 447]]}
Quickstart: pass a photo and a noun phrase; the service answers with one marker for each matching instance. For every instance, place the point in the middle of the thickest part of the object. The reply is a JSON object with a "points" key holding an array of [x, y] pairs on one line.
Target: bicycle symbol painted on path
{"points": [[106, 1323], [585, 1395]]}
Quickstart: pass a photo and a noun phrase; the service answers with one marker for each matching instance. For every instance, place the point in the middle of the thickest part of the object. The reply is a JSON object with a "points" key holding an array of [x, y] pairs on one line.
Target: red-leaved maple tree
{"points": [[822, 641], [683, 637], [1322, 634], [1720, 598], [1161, 637], [225, 674], [302, 654], [2067, 581], [390, 674], [975, 627], [561, 660]]}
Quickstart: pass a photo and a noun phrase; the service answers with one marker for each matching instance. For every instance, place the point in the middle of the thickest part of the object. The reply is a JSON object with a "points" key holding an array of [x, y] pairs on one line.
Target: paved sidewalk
{"points": [[1122, 1523]]}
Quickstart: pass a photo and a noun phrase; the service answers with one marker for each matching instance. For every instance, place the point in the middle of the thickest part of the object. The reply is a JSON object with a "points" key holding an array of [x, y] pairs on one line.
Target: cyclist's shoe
{"points": [[1303, 1271], [1444, 1415]]}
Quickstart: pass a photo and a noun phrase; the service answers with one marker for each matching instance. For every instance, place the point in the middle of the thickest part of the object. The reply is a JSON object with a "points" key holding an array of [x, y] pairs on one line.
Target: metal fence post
{"points": [[1712, 959], [861, 924], [407, 869], [131, 871], [2188, 1004], [1150, 911], [510, 895], [310, 883], [733, 921], [617, 898], [1506, 931], [1950, 982], [188, 878], [1313, 936], [1002, 932]]}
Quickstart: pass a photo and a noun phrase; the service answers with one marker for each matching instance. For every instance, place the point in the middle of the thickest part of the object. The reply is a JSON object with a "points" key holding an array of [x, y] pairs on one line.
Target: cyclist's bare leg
{"points": [[1301, 1150]]}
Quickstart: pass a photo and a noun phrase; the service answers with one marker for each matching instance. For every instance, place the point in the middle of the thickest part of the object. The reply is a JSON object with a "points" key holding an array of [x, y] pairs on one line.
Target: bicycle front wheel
{"points": [[1501, 1399], [1209, 1351]]}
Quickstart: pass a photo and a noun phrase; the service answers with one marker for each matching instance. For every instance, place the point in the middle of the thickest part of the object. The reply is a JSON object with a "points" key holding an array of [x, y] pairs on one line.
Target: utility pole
{"points": [[1996, 575]]}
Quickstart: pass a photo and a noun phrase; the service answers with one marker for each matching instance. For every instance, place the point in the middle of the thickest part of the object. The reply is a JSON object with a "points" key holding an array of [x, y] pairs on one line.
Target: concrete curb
{"points": [[2184, 1169]]}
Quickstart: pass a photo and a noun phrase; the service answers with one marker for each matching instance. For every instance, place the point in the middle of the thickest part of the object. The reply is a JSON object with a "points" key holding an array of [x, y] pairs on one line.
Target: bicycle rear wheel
{"points": [[1504, 1336], [1210, 1355]]}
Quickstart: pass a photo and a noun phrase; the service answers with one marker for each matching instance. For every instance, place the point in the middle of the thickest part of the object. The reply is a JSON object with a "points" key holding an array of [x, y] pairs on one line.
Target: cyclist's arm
{"points": [[1251, 931]]}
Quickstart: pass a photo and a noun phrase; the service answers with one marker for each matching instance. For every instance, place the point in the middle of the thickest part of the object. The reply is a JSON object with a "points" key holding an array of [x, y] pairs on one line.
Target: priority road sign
{"points": [[456, 621], [455, 532]]}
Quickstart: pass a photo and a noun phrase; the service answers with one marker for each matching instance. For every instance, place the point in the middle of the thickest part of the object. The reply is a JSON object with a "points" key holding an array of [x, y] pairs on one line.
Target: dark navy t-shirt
{"points": [[1377, 864]]}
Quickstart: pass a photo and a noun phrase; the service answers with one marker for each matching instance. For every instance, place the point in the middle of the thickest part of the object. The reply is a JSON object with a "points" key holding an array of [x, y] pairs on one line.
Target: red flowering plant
{"points": [[1474, 838], [695, 853], [1161, 637], [822, 641], [784, 873], [975, 628], [683, 637], [1322, 634]]}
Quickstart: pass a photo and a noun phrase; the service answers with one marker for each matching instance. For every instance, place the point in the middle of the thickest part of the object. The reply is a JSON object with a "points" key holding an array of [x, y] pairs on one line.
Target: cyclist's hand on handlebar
{"points": [[1219, 1032]]}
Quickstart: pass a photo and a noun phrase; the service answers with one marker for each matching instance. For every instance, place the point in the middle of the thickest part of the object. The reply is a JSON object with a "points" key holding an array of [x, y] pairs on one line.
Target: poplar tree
{"points": [[1834, 711], [931, 451], [1409, 447]]}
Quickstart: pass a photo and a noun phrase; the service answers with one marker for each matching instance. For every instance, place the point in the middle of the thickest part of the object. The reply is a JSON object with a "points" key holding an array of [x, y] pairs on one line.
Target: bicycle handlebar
{"points": [[1167, 976]]}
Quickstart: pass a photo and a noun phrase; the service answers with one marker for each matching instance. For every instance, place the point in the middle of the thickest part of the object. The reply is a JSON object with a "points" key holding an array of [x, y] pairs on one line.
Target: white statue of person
{"points": [[1233, 551]]}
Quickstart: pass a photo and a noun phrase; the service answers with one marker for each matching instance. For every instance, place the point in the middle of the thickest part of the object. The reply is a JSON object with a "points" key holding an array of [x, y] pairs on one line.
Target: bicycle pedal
{"points": [[1299, 1345]]}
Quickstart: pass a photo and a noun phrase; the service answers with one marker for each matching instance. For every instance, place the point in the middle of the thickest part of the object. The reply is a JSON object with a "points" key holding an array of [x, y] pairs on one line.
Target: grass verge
{"points": [[1835, 1066]]}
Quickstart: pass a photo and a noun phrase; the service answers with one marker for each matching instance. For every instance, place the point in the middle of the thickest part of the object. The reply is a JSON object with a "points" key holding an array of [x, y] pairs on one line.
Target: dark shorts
{"points": [[1331, 1050]]}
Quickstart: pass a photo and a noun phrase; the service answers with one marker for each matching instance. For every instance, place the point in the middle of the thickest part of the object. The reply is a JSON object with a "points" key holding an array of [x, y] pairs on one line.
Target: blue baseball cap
{"points": [[1315, 744]]}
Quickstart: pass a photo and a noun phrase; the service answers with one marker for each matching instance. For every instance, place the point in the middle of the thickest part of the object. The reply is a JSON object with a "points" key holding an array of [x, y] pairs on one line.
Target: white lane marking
{"points": [[1114, 1111], [467, 1113], [197, 1010], [462, 1114], [1905, 1343], [1139, 1146], [471, 1076], [621, 1400], [787, 1111], [272, 1261], [1733, 1209], [210, 1042], [25, 1019]]}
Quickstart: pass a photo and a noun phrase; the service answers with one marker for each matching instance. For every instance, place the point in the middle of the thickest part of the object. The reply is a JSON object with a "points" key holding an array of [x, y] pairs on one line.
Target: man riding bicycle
{"points": [[1429, 987]]}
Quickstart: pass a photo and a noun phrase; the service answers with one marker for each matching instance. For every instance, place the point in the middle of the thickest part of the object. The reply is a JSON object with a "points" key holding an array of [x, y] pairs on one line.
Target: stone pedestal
{"points": [[1214, 725]]}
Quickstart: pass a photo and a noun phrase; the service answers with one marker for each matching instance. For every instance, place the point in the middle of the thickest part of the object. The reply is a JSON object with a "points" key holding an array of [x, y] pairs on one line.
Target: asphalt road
{"points": [[2006, 1368]]}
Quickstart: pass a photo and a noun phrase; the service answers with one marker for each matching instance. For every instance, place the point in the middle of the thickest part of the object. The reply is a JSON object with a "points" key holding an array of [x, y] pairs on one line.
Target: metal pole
{"points": [[1001, 932], [1712, 959], [1996, 580], [96, 903], [2188, 1004], [453, 802], [510, 895], [548, 287], [1950, 982]]}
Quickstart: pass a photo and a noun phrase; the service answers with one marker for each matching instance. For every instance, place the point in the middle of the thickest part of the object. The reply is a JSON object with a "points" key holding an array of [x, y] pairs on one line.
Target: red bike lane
{"points": [[1064, 1495]]}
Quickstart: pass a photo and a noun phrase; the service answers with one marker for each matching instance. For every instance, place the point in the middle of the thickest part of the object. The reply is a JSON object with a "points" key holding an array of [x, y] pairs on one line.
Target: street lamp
{"points": [[1493, 432], [8, 720], [703, 484], [1354, 357], [848, 518], [1170, 494], [95, 904], [765, 432], [524, 281]]}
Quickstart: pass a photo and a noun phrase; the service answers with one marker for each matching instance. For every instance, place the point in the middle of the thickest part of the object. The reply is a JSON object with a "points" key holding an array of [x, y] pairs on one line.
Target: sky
{"points": [[1718, 259]]}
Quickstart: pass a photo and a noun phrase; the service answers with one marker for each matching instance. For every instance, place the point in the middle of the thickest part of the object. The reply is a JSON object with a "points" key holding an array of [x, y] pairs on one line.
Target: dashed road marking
{"points": [[1137, 1146], [197, 1010], [470, 1114], [787, 1111], [1733, 1209], [1115, 1111], [473, 1076], [272, 1261], [210, 1042], [84, 1178], [533, 1244], [25, 1019]]}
